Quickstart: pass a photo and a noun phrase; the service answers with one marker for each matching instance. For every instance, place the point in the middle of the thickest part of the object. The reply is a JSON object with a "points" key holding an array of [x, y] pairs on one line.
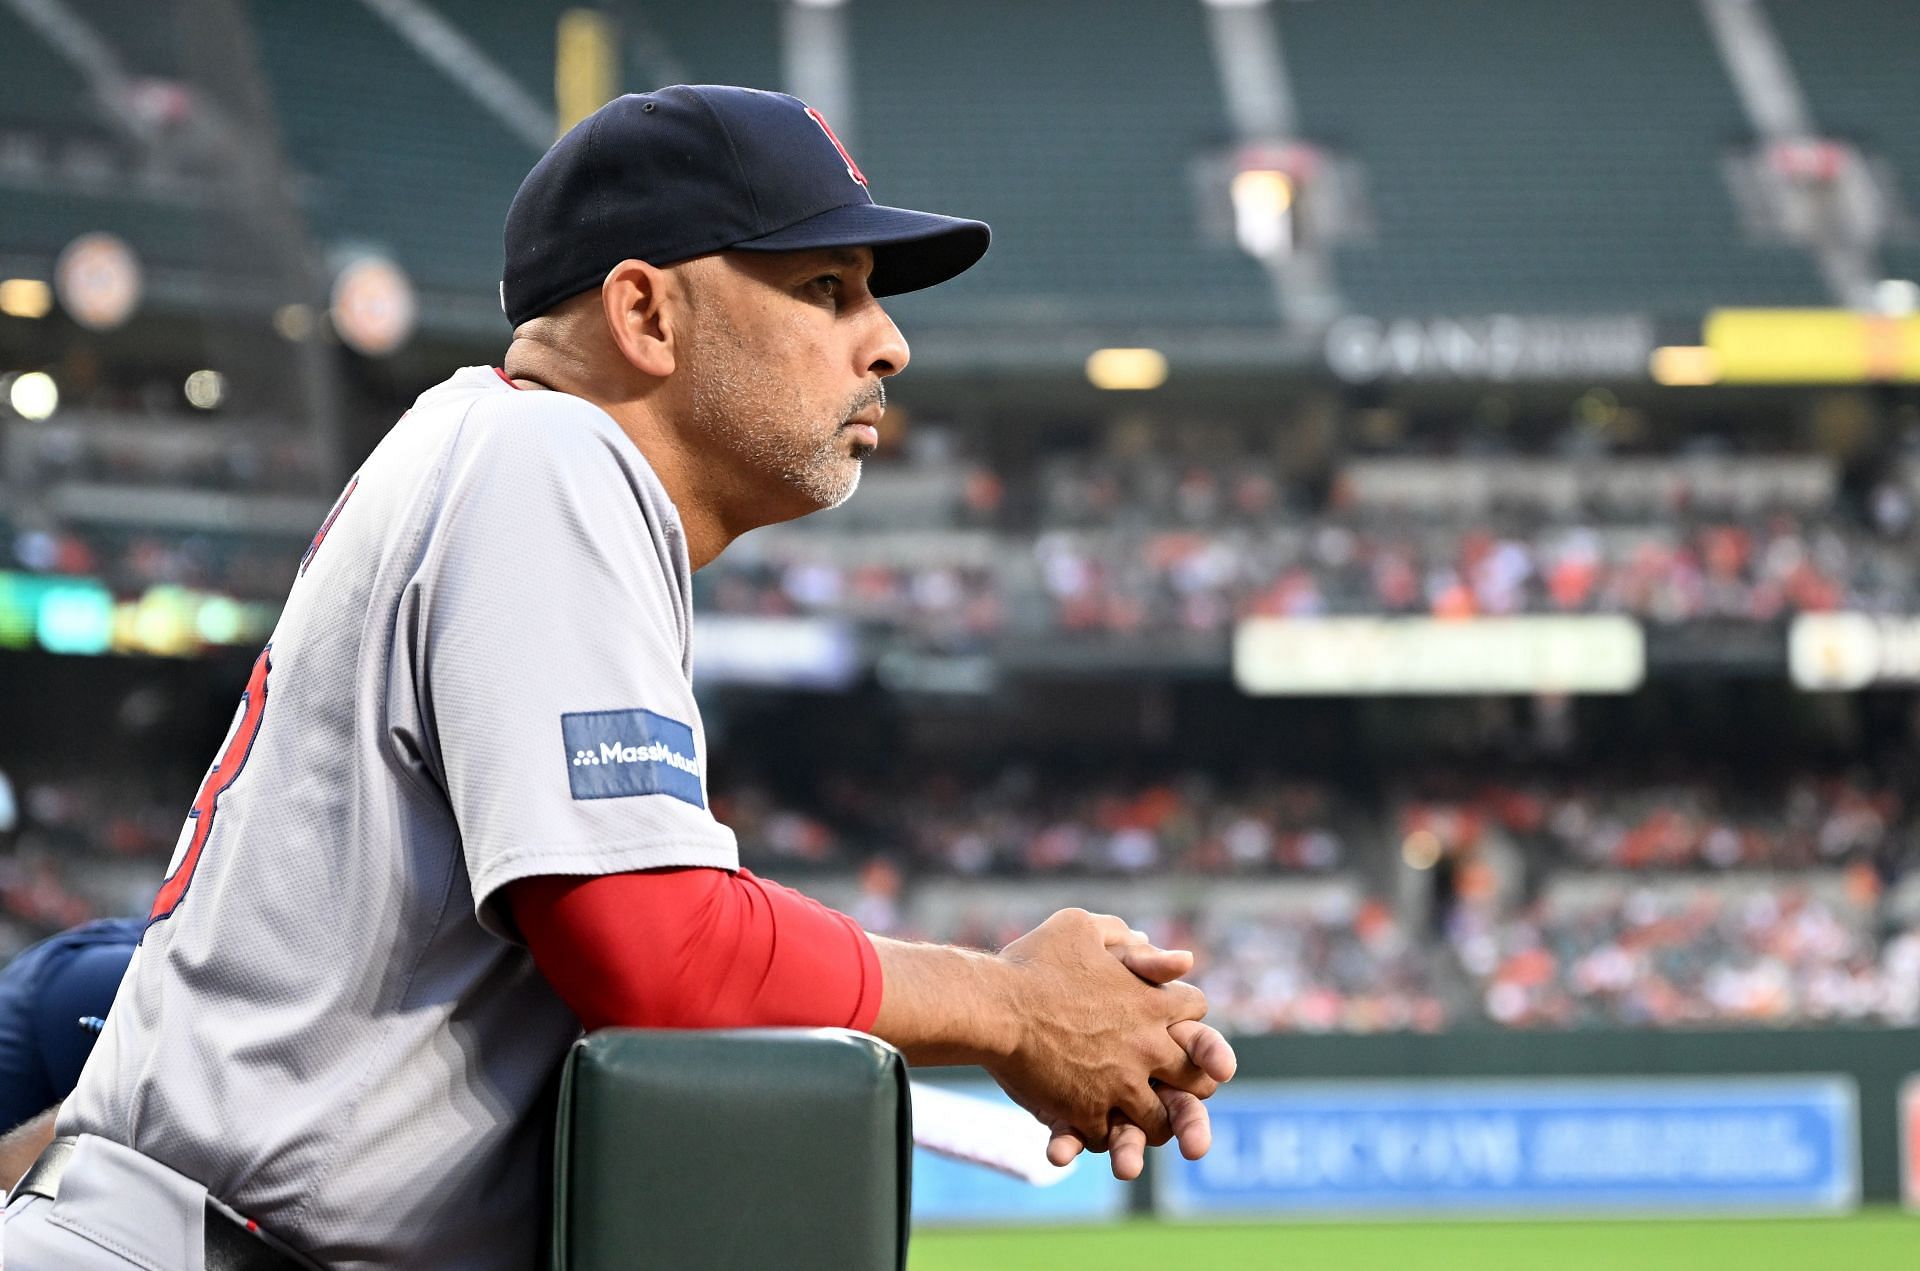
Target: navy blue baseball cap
{"points": [[696, 168]]}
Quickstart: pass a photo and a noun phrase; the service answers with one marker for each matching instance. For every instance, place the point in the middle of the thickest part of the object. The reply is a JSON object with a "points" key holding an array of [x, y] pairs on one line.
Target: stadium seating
{"points": [[1612, 939], [1554, 157], [1139, 549], [1557, 157], [389, 152], [1838, 50], [45, 89], [1127, 105], [715, 42], [1539, 157], [42, 222], [66, 169], [42, 89], [394, 155]]}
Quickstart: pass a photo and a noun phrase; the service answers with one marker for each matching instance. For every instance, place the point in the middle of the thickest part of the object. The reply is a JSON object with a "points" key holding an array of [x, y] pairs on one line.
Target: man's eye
{"points": [[826, 286]]}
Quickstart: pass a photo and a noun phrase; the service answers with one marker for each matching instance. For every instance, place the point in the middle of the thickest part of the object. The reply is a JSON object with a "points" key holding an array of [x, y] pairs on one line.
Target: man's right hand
{"points": [[1093, 1037]]}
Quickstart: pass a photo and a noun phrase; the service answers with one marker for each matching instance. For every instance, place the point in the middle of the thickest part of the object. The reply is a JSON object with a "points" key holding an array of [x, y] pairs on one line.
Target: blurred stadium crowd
{"points": [[1442, 165], [1536, 903], [1114, 549], [1539, 900], [1457, 895]]}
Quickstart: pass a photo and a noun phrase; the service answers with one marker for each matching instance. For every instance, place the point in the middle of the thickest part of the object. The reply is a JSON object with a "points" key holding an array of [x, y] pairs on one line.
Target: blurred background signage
{"points": [[1813, 346], [1846, 651], [1514, 1147], [1307, 656], [1502, 349]]}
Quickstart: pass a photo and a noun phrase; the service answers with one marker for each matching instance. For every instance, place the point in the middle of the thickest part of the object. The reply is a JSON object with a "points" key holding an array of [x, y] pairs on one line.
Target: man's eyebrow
{"points": [[844, 257]]}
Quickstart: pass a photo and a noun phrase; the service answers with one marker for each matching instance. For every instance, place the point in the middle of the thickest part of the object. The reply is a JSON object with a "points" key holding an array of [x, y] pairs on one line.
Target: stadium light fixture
{"points": [[25, 298], [374, 308], [1127, 369], [34, 395], [1267, 189], [206, 389], [1263, 212], [1421, 849], [75, 616], [99, 281], [1684, 366], [294, 322], [1896, 297], [220, 621]]}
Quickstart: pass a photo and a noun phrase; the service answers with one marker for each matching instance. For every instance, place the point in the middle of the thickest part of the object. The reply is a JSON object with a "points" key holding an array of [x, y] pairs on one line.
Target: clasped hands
{"points": [[1114, 1057]]}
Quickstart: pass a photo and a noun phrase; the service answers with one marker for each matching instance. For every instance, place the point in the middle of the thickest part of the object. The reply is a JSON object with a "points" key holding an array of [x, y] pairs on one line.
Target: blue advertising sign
{"points": [[950, 1191], [1523, 1146]]}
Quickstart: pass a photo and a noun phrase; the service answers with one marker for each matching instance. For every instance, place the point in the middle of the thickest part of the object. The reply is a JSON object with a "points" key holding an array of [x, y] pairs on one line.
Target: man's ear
{"points": [[643, 306]]}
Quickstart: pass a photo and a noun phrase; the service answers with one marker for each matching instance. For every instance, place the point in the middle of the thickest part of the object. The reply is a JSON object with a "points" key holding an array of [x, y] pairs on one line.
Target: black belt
{"points": [[234, 1243]]}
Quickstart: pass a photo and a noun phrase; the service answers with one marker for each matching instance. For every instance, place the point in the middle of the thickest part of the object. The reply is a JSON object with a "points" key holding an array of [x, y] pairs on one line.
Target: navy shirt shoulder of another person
{"points": [[44, 993]]}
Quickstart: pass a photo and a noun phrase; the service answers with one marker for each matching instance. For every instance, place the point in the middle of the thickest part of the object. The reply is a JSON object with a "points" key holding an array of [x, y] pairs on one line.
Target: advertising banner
{"points": [[1503, 348], [1578, 653], [1813, 346], [1838, 652], [1524, 1147]]}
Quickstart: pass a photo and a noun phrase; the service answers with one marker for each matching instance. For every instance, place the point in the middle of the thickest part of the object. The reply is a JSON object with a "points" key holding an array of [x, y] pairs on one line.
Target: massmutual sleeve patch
{"points": [[613, 754]]}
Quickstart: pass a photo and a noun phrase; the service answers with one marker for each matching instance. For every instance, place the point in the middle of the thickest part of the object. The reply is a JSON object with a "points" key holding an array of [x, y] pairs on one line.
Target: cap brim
{"points": [[911, 249]]}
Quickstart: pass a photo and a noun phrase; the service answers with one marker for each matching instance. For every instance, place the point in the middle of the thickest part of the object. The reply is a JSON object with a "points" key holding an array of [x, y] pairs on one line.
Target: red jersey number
{"points": [[225, 770]]}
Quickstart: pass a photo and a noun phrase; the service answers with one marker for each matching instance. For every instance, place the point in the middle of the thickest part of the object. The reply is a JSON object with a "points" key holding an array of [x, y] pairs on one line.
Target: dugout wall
{"points": [[700, 1151]]}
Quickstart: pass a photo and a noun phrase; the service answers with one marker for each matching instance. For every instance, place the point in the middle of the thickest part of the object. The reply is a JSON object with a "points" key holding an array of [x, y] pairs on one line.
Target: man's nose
{"points": [[886, 353]]}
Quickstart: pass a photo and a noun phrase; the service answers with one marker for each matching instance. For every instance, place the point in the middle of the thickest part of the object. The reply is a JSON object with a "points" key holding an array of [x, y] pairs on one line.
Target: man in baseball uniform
{"points": [[462, 811], [52, 999]]}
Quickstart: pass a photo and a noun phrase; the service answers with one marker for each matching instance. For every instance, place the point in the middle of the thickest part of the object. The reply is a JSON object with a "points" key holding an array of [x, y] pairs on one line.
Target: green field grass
{"points": [[1877, 1240]]}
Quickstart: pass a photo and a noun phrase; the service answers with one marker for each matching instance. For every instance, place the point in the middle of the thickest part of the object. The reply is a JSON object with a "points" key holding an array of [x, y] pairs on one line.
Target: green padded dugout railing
{"points": [[787, 1148]]}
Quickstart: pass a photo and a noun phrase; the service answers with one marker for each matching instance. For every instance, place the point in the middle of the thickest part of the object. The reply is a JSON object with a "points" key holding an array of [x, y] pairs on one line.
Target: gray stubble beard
{"points": [[819, 470]]}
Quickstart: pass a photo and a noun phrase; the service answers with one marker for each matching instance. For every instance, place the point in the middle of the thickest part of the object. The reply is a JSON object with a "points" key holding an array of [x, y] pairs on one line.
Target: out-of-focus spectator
{"points": [[1126, 581], [1342, 968], [85, 848], [1022, 823], [1805, 821], [1337, 964], [1175, 546], [1708, 946], [1689, 956]]}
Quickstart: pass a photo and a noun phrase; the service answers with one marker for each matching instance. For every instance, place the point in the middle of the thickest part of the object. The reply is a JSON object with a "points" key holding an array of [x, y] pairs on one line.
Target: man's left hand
{"points": [[1210, 1061]]}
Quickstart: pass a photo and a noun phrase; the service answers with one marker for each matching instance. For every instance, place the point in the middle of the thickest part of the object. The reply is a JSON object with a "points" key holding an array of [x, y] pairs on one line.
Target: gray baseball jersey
{"points": [[482, 673]]}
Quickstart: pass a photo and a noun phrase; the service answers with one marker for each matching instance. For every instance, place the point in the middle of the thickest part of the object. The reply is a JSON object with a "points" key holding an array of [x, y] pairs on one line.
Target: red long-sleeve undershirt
{"points": [[696, 948]]}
